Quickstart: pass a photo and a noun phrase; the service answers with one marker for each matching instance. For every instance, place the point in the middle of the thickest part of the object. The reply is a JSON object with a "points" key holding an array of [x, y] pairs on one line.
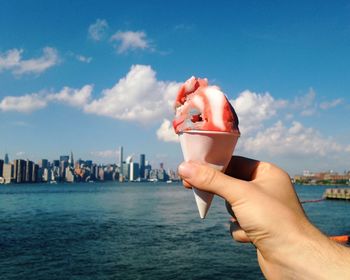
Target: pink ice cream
{"points": [[202, 107]]}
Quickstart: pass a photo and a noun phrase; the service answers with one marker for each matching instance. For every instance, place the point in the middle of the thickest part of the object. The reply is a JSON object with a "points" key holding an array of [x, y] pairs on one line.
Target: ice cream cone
{"points": [[212, 147]]}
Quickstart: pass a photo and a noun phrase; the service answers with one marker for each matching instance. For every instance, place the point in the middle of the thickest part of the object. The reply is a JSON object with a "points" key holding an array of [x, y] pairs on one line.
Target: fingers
{"points": [[208, 179], [242, 168], [238, 233]]}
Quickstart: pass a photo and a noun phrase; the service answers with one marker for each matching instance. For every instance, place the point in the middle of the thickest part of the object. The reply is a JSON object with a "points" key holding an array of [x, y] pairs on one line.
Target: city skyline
{"points": [[108, 77], [65, 169]]}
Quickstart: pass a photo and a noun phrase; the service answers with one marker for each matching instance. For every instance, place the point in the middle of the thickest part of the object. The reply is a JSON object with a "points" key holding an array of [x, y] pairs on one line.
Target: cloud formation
{"points": [[294, 140], [166, 132], [12, 61], [97, 30], [138, 97], [331, 104], [130, 40], [253, 109], [24, 104], [35, 101], [82, 58]]}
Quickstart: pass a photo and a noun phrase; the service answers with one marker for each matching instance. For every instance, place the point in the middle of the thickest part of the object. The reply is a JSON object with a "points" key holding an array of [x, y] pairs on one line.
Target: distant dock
{"points": [[337, 193]]}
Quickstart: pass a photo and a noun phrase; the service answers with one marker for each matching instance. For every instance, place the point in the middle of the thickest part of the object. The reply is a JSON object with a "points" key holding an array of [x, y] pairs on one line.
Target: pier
{"points": [[337, 193]]}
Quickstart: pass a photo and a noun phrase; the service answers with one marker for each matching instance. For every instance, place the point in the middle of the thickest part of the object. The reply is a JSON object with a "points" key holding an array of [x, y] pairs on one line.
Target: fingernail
{"points": [[187, 170]]}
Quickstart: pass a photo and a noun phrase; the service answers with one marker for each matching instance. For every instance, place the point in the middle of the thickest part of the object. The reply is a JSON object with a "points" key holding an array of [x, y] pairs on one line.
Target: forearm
{"points": [[318, 257]]}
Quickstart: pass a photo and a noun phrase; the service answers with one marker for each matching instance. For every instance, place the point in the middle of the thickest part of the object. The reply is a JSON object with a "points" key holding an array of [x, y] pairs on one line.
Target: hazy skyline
{"points": [[92, 76]]}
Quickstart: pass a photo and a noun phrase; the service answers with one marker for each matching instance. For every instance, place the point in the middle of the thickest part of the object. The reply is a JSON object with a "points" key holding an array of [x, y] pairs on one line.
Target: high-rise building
{"points": [[134, 171], [142, 166], [35, 174], [71, 160], [121, 169], [29, 171], [1, 167], [20, 170], [43, 163], [8, 173], [64, 162], [6, 159], [56, 163]]}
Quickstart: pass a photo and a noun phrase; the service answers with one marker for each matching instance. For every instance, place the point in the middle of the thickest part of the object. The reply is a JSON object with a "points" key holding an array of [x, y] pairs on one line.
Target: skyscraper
{"points": [[1, 167], [6, 160], [142, 166], [71, 159], [29, 171], [134, 171], [121, 161]]}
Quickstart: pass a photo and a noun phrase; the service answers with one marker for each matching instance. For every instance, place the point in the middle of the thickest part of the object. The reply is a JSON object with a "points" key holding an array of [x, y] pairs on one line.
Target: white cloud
{"points": [[254, 108], [98, 29], [166, 132], [72, 97], [138, 97], [130, 40], [24, 104], [306, 104], [35, 101], [331, 104], [82, 58], [12, 61], [295, 140]]}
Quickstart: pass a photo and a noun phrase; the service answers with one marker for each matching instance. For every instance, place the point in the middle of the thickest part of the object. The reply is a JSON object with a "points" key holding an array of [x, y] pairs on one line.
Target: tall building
{"points": [[6, 159], [121, 169], [20, 170], [1, 167], [43, 163], [35, 174], [134, 172], [8, 173], [71, 160], [29, 171], [64, 161], [142, 166]]}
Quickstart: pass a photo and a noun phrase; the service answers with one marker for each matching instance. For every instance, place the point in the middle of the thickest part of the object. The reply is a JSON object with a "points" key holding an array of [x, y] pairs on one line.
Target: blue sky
{"points": [[90, 76]]}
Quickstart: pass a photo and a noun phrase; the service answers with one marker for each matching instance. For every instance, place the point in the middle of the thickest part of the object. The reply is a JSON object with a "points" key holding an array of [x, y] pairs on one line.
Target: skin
{"points": [[267, 213]]}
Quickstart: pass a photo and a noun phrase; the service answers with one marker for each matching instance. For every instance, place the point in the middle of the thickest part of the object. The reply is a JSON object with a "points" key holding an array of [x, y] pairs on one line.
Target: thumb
{"points": [[208, 179]]}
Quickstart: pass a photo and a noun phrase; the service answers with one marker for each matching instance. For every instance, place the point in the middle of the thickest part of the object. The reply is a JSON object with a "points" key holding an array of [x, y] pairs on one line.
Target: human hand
{"points": [[268, 214]]}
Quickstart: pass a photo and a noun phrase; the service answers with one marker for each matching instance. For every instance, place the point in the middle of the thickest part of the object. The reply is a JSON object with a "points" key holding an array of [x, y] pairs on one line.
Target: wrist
{"points": [[314, 256]]}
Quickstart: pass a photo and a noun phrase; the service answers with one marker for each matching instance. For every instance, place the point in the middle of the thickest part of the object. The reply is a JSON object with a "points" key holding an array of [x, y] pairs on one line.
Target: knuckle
{"points": [[207, 176]]}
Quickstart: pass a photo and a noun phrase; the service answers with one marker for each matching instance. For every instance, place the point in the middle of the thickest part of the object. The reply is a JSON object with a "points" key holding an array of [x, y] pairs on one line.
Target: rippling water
{"points": [[129, 231]]}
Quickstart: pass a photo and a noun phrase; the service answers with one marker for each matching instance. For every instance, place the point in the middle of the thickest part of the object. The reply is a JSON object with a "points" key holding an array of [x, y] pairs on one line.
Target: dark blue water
{"points": [[130, 231]]}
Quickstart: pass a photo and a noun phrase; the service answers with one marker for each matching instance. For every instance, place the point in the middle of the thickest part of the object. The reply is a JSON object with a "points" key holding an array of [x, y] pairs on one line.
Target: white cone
{"points": [[211, 147]]}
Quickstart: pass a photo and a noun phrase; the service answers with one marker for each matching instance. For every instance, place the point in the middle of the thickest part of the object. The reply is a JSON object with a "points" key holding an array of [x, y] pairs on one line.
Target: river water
{"points": [[130, 231]]}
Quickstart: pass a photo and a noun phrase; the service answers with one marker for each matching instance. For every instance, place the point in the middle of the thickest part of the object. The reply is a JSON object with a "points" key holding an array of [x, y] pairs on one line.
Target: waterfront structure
{"points": [[19, 170]]}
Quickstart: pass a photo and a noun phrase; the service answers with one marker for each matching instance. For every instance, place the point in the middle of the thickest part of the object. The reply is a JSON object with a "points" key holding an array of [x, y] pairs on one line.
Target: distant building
{"points": [[19, 170], [121, 170], [6, 159], [134, 172], [29, 171], [43, 163], [71, 160], [1, 167], [8, 173], [142, 165], [70, 178]]}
